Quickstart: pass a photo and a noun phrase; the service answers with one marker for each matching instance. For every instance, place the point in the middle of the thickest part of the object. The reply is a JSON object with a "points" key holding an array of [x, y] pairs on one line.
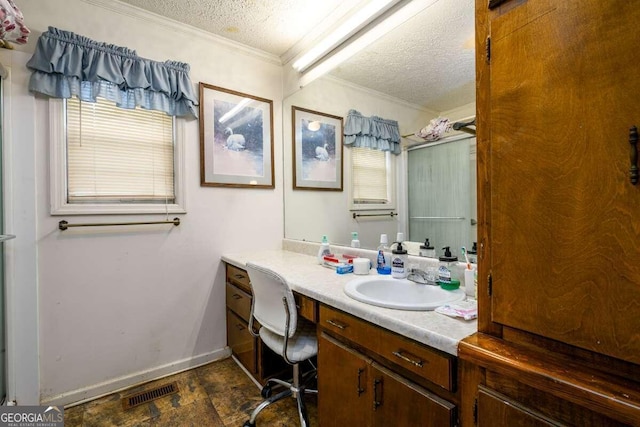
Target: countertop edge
{"points": [[427, 327]]}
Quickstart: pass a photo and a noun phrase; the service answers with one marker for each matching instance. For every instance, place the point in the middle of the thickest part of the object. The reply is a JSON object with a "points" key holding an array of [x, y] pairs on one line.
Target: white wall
{"points": [[121, 305], [311, 214]]}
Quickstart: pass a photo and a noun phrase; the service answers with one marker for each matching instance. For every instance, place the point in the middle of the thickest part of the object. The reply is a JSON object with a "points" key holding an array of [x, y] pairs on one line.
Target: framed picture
{"points": [[317, 150], [236, 139]]}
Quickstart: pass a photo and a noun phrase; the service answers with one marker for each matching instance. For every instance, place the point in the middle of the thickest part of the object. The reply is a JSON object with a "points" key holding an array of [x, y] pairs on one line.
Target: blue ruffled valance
{"points": [[66, 64], [371, 132]]}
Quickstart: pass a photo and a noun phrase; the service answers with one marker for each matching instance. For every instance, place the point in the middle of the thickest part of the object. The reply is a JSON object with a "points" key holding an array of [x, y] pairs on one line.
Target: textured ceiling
{"points": [[272, 26], [428, 61]]}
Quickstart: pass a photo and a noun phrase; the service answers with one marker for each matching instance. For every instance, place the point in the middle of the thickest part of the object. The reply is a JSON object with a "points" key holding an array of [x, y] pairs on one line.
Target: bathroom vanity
{"points": [[376, 366]]}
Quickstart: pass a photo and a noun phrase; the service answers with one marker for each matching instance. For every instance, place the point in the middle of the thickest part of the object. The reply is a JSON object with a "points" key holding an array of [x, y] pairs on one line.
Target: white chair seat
{"points": [[301, 346]]}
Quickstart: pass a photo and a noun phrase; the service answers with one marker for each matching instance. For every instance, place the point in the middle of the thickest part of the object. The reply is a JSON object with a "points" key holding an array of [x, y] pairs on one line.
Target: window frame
{"points": [[391, 186], [59, 204]]}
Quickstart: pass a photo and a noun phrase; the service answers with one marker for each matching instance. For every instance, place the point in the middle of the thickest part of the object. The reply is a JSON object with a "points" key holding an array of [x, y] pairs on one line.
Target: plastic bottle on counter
{"points": [[383, 258]]}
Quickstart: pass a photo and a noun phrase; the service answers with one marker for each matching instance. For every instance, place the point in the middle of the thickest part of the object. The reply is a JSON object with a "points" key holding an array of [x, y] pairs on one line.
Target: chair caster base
{"points": [[265, 392]]}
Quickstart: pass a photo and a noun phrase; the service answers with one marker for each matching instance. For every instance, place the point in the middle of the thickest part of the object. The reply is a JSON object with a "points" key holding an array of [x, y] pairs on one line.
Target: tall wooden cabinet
{"points": [[559, 213]]}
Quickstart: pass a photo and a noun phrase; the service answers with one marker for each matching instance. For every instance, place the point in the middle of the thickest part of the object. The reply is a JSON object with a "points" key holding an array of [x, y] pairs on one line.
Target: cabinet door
{"points": [[398, 402], [241, 342], [495, 410], [564, 217], [343, 396]]}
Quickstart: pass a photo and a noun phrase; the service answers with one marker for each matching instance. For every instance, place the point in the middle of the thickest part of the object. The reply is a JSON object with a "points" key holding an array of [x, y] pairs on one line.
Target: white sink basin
{"points": [[402, 294]]}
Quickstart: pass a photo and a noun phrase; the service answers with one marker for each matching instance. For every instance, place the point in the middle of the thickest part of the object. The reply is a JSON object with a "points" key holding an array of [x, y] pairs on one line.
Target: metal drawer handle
{"points": [[236, 296], [238, 276], [419, 363], [337, 324], [360, 389], [239, 326], [376, 402], [633, 140]]}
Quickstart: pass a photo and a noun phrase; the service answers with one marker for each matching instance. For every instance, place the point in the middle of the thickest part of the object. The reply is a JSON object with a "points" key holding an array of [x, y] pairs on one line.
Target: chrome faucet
{"points": [[421, 277]]}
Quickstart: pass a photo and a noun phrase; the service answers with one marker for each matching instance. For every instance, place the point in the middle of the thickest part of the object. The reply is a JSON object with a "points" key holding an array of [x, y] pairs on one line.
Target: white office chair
{"points": [[283, 332]]}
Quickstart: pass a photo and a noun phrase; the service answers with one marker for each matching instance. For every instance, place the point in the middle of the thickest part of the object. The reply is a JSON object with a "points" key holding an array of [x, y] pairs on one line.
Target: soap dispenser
{"points": [[324, 249], [445, 266], [473, 253], [427, 250], [355, 243], [399, 260]]}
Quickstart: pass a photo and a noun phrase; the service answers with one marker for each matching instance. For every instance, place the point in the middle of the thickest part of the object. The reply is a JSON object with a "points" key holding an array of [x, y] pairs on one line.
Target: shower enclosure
{"points": [[442, 193]]}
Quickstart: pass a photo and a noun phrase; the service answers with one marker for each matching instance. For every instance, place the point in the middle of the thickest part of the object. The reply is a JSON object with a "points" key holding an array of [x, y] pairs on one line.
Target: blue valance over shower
{"points": [[66, 64], [371, 132]]}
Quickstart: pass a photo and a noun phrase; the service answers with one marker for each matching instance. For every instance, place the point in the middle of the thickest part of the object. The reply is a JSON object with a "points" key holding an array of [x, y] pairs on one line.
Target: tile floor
{"points": [[217, 394]]}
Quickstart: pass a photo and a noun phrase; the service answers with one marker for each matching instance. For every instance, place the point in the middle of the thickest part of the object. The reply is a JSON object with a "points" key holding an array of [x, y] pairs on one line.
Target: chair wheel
{"points": [[265, 393], [248, 424]]}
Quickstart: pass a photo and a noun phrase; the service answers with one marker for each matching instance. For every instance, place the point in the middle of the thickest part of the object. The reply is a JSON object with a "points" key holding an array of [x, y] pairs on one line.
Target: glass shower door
{"points": [[439, 194]]}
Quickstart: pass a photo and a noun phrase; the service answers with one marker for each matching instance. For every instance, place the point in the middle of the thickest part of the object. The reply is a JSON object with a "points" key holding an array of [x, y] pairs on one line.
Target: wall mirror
{"points": [[420, 70]]}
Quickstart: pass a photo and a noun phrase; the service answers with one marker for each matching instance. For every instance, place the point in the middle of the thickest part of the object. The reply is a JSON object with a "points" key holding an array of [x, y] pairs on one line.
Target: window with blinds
{"points": [[116, 155], [371, 177]]}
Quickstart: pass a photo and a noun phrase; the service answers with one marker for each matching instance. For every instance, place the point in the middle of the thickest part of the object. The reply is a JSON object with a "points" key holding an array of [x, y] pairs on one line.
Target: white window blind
{"points": [[116, 155], [370, 176]]}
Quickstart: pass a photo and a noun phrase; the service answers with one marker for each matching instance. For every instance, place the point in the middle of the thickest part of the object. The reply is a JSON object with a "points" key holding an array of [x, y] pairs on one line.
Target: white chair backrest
{"points": [[268, 290]]}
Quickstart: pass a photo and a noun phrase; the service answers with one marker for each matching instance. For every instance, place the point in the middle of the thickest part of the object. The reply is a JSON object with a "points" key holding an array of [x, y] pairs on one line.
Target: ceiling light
{"points": [[340, 34], [404, 10]]}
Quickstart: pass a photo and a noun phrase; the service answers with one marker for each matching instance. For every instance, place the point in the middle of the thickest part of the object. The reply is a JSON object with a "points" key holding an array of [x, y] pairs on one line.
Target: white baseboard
{"points": [[82, 395]]}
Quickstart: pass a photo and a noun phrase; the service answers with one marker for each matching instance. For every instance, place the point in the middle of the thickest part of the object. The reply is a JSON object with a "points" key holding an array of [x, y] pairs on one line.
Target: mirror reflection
{"points": [[423, 69]]}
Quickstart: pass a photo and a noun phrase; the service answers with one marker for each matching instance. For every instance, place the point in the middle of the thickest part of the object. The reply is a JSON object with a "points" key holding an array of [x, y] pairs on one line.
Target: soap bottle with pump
{"points": [[355, 243], [399, 260], [473, 253], [383, 258], [427, 250], [324, 249], [445, 266]]}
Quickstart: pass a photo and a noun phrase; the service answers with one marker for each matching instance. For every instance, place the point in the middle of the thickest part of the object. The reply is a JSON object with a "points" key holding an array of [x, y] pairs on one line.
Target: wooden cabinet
{"points": [[564, 247], [497, 409], [368, 376], [559, 278]]}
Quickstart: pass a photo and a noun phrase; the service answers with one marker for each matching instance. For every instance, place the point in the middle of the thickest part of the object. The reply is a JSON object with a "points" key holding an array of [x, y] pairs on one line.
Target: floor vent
{"points": [[129, 402]]}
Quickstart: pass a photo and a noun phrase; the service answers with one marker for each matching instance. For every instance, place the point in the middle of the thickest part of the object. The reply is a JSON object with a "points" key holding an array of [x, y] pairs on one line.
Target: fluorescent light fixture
{"points": [[235, 110], [351, 47], [340, 33]]}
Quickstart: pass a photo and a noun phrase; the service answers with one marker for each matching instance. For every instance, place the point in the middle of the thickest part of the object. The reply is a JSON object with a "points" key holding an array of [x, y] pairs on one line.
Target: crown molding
{"points": [[377, 94], [172, 25]]}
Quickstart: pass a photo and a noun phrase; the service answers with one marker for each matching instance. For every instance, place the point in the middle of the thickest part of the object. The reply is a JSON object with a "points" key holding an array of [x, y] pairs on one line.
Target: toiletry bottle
{"points": [[382, 259], [324, 249], [427, 250], [355, 243], [399, 260], [446, 264], [473, 253]]}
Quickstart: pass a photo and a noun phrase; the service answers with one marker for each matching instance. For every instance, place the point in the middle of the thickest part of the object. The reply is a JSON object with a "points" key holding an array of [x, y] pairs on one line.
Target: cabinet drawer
{"points": [[430, 364], [307, 307], [241, 342], [239, 301], [350, 327], [238, 277]]}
